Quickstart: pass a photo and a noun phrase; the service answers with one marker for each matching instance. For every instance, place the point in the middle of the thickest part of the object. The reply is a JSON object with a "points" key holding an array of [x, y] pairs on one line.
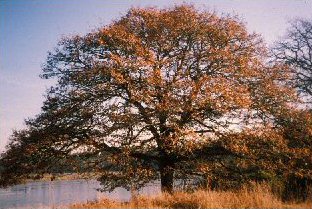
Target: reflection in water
{"points": [[63, 192]]}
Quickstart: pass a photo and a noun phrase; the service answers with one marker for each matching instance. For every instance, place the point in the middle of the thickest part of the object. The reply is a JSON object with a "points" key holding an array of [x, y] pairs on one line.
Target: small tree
{"points": [[280, 154], [149, 95], [296, 50]]}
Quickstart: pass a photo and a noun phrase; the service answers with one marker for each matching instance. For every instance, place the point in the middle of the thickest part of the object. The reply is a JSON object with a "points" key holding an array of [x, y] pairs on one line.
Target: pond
{"points": [[50, 194]]}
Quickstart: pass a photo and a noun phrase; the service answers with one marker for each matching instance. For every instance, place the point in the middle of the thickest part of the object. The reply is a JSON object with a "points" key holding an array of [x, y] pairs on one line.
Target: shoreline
{"points": [[64, 176]]}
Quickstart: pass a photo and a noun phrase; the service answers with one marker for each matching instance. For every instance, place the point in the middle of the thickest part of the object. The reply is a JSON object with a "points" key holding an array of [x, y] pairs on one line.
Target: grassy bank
{"points": [[260, 196]]}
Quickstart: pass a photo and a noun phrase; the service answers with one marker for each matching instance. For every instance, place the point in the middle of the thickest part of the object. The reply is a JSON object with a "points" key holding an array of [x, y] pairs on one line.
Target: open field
{"points": [[258, 197]]}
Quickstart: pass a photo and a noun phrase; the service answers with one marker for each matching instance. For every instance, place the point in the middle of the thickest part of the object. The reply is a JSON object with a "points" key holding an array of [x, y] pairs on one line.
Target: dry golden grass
{"points": [[259, 196]]}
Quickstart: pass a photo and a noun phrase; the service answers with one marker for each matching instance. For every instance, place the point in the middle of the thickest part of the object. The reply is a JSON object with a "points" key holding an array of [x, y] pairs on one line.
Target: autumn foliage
{"points": [[166, 94]]}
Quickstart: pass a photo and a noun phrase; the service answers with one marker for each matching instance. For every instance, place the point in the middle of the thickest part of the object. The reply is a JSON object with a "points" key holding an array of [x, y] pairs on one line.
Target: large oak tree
{"points": [[151, 96]]}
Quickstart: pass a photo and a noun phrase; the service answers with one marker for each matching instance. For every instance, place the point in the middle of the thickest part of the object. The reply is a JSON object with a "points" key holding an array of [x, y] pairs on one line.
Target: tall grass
{"points": [[258, 196]]}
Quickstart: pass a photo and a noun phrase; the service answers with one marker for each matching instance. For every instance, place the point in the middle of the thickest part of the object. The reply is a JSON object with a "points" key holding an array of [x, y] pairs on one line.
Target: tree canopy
{"points": [[158, 94]]}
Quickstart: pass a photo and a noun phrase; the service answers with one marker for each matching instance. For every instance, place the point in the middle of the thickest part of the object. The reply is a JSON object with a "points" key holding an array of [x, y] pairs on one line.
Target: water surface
{"points": [[49, 194]]}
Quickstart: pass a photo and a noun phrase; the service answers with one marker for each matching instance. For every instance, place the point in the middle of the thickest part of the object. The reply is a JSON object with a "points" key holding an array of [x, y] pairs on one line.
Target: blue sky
{"points": [[30, 28]]}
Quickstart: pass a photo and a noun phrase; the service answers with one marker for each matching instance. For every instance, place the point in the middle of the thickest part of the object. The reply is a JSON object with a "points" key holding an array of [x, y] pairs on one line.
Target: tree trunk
{"points": [[166, 178]]}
